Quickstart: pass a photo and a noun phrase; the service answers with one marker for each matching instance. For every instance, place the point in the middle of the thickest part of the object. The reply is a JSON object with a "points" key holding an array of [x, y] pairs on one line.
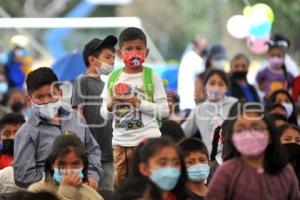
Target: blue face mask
{"points": [[59, 172], [3, 87], [198, 173], [165, 178]]}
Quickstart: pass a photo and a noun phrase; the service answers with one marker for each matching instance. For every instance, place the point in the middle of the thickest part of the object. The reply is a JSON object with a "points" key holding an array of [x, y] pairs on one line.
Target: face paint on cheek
{"points": [[134, 58]]}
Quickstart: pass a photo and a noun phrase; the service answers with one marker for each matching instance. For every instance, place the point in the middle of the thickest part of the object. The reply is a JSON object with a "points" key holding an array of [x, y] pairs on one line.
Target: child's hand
{"points": [[93, 183], [134, 101], [113, 102], [71, 179]]}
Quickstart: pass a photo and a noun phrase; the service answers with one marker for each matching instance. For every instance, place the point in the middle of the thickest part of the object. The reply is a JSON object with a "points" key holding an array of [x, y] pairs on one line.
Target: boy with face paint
{"points": [[127, 100], [275, 76], [99, 56], [49, 119]]}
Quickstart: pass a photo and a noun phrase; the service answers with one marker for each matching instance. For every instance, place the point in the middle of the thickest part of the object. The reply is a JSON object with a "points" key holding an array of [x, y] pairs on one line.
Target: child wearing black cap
{"points": [[275, 76], [99, 56]]}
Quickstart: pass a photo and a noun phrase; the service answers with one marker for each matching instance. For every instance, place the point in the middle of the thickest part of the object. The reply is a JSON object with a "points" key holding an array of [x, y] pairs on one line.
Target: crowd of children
{"points": [[126, 139]]}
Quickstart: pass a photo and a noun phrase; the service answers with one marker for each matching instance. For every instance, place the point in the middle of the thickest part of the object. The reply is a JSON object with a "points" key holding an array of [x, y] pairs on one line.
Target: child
{"points": [[66, 171], [137, 98], [255, 164], [284, 98], [275, 76], [9, 125], [48, 120], [196, 160], [290, 138], [239, 86], [160, 161], [216, 59], [289, 134], [213, 111], [99, 58]]}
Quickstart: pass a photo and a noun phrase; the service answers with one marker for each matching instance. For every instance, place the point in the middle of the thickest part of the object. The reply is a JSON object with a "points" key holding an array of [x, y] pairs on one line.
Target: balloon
{"points": [[258, 46], [263, 9], [247, 11], [238, 26], [260, 26]]}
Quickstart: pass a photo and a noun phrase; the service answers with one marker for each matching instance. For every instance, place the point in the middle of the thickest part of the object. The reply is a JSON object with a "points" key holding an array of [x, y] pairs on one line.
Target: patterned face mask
{"points": [[134, 58]]}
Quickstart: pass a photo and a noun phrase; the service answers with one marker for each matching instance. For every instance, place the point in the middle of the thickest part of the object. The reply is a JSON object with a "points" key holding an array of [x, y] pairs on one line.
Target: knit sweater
{"points": [[66, 192]]}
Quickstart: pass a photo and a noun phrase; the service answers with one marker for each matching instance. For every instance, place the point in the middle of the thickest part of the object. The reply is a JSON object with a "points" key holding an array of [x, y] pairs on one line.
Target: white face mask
{"points": [[104, 69], [218, 64], [289, 109], [47, 111]]}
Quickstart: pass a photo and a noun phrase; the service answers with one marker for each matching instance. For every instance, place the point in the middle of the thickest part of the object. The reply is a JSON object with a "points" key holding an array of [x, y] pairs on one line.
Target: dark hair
{"points": [[278, 37], [286, 126], [271, 100], [11, 118], [190, 145], [39, 78], [272, 106], [218, 72], [275, 158], [97, 53], [134, 188], [172, 130], [63, 145], [25, 195], [130, 34], [240, 56], [226, 125], [277, 116], [151, 147]]}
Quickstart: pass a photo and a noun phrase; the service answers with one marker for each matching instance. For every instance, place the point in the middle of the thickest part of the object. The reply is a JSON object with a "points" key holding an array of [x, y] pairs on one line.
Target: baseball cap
{"points": [[218, 52], [96, 44]]}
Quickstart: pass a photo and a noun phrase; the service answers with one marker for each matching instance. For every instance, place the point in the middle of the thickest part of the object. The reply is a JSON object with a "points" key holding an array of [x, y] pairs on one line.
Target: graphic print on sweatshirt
{"points": [[126, 116]]}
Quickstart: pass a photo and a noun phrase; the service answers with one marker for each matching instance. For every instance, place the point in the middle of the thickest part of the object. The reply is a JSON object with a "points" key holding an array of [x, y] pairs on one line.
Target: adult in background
{"points": [[191, 64]]}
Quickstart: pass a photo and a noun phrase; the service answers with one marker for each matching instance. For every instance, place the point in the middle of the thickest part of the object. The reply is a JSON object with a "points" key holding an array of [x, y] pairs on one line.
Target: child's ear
{"points": [[28, 100], [144, 170], [91, 60], [60, 92], [119, 53], [147, 53]]}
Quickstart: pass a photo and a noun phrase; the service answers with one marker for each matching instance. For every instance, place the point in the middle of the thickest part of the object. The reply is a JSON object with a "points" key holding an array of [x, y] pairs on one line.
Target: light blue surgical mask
{"points": [[165, 178], [3, 87], [198, 172], [59, 172], [47, 111]]}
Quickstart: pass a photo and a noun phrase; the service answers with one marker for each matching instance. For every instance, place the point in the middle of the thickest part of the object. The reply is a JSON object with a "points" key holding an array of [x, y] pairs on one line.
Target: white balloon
{"points": [[238, 26]]}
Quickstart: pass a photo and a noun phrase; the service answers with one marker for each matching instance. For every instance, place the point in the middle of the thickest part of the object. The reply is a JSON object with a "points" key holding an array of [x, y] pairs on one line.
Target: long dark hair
{"points": [[63, 145], [271, 100], [275, 158], [138, 188], [151, 147]]}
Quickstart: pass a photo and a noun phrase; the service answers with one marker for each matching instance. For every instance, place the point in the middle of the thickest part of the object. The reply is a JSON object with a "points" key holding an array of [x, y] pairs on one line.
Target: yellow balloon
{"points": [[263, 9], [247, 11]]}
